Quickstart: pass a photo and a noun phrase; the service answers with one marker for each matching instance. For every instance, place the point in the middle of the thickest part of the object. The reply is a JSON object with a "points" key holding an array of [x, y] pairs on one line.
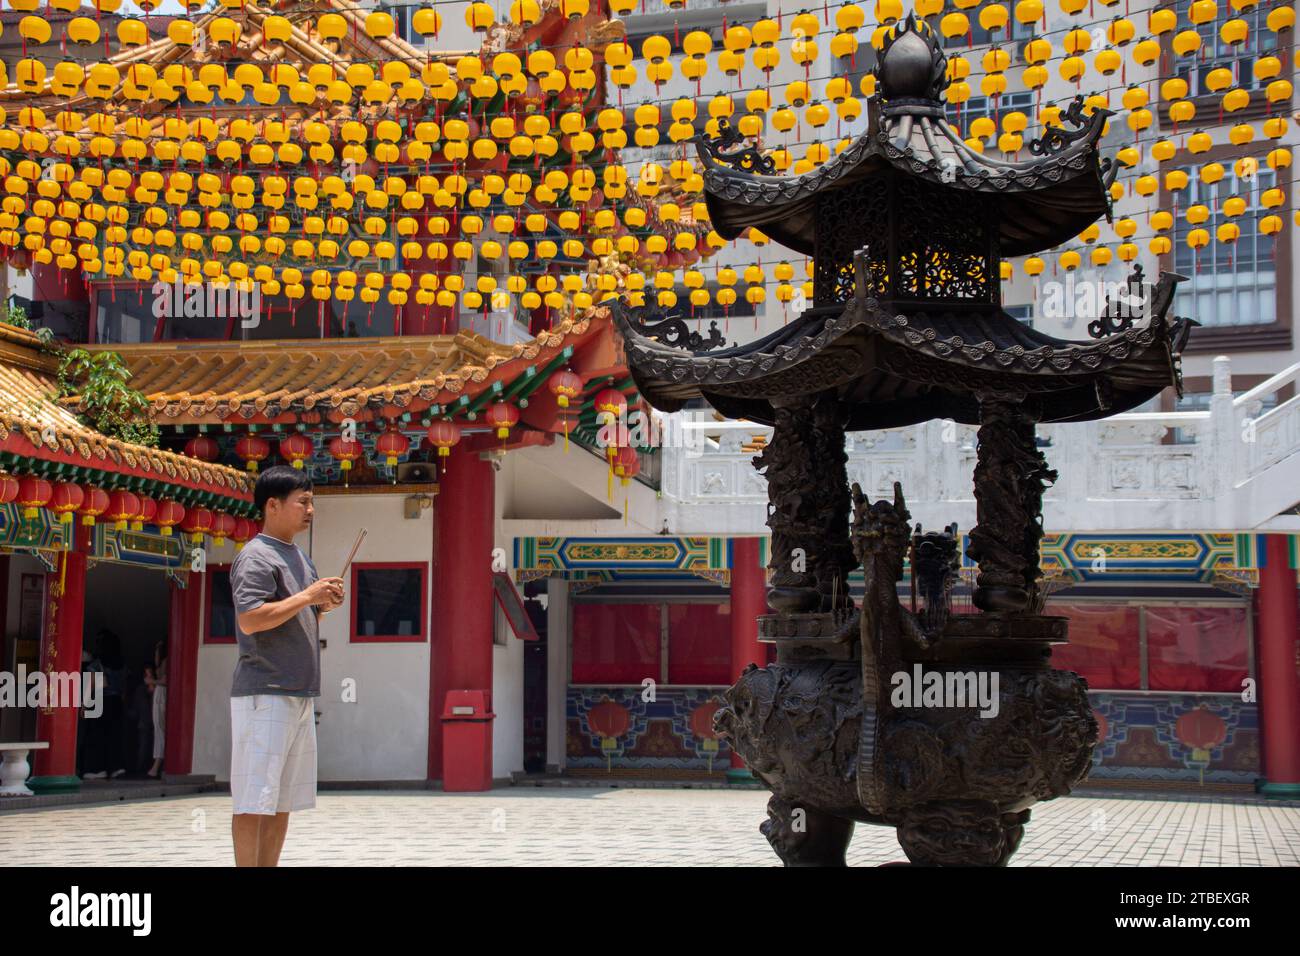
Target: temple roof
{"points": [[895, 369], [1044, 201], [331, 379], [39, 435]]}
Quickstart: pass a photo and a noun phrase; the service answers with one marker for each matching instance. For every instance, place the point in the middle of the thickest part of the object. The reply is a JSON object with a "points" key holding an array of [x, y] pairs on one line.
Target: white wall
{"points": [[15, 723], [507, 662], [384, 735]]}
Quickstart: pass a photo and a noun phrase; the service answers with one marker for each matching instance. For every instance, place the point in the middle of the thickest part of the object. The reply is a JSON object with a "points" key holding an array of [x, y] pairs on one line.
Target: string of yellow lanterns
{"points": [[397, 83], [815, 155]]}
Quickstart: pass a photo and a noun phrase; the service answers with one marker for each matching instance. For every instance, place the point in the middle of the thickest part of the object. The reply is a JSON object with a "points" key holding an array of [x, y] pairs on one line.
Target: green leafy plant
{"points": [[16, 315], [107, 403]]}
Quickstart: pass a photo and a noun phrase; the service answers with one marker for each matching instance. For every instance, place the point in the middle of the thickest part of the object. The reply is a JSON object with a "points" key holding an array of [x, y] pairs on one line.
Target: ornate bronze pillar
{"points": [[1010, 474], [808, 505]]}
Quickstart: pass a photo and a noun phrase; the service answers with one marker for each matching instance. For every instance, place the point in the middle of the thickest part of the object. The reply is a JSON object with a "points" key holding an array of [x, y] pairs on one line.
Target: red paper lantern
{"points": [[346, 451], [627, 464], [170, 513], [122, 507], [93, 504], [610, 401], [33, 494], [252, 450], [203, 448], [1201, 730], [502, 416], [296, 449], [244, 531], [8, 489], [611, 412], [392, 445], [223, 526], [564, 385], [608, 719], [66, 498], [197, 522], [443, 435], [148, 510], [702, 720]]}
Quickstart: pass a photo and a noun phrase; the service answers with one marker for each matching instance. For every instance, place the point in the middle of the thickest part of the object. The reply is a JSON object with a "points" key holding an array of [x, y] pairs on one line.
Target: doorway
{"points": [[535, 680], [126, 618]]}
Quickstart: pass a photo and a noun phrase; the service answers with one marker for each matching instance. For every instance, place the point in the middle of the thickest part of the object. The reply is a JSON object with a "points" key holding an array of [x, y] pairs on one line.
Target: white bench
{"points": [[15, 768]]}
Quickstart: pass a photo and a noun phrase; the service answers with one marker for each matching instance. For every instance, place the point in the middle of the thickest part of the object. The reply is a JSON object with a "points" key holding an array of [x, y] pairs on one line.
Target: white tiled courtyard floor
{"points": [[619, 827]]}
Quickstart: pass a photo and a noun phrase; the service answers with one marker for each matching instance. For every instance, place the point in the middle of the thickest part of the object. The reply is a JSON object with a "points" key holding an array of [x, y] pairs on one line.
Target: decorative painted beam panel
{"points": [[1118, 558]]}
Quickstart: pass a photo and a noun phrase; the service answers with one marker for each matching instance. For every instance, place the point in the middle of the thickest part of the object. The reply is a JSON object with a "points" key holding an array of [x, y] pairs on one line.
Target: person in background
{"points": [[90, 737], [110, 655], [159, 709], [141, 722]]}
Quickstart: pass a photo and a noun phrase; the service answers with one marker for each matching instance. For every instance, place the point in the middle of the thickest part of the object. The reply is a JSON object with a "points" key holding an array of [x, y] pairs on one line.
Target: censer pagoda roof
{"points": [[1043, 201], [899, 369]]}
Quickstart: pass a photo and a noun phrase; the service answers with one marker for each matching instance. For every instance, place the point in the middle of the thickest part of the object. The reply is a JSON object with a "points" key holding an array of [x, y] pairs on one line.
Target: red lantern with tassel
{"points": [[296, 449], [611, 417], [444, 435], [244, 531], [93, 504], [203, 448], [253, 450], [8, 489], [65, 499], [196, 524], [346, 451], [33, 495], [502, 416], [170, 513], [123, 506], [223, 526], [148, 511], [392, 445], [627, 465], [565, 386]]}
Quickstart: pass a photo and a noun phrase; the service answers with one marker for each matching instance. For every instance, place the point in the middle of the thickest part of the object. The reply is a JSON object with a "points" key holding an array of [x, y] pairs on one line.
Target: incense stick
{"points": [[361, 536]]}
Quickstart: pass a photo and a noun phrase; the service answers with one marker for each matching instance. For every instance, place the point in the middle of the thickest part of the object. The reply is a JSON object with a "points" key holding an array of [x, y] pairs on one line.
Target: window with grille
{"points": [[1228, 283], [978, 36], [1214, 53], [961, 115]]}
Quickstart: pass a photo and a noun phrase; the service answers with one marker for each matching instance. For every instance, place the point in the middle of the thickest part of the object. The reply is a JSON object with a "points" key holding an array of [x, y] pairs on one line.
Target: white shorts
{"points": [[273, 753]]}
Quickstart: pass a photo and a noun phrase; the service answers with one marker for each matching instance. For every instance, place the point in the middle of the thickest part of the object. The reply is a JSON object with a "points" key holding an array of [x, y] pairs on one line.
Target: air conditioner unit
{"points": [[417, 473]]}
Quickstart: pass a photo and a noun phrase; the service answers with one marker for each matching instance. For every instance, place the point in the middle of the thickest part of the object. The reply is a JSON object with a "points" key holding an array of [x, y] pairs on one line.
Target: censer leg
{"points": [[961, 833], [802, 836]]}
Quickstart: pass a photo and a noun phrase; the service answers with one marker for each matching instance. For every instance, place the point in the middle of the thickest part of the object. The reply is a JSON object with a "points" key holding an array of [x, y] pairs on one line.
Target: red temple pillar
{"points": [[748, 601], [55, 769], [1279, 685], [184, 625], [463, 618]]}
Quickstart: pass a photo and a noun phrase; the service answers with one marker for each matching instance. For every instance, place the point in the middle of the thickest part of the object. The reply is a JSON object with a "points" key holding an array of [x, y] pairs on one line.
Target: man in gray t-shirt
{"points": [[284, 659], [278, 600]]}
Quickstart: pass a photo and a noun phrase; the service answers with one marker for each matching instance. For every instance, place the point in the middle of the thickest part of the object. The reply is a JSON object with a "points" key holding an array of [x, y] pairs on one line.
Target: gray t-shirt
{"points": [[286, 659]]}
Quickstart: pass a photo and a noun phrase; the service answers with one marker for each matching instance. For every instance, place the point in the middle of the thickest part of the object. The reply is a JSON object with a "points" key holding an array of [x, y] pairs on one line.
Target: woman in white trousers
{"points": [[159, 710]]}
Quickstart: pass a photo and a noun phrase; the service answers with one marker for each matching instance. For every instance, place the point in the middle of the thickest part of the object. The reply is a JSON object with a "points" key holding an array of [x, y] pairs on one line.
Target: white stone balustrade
{"points": [[1232, 468]]}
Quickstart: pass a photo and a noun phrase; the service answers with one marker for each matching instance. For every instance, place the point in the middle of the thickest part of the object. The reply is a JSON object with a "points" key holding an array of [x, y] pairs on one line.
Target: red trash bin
{"points": [[467, 741]]}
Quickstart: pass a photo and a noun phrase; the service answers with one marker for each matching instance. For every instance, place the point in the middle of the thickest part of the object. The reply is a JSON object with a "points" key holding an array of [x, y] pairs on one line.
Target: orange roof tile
{"points": [[34, 425], [212, 382]]}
